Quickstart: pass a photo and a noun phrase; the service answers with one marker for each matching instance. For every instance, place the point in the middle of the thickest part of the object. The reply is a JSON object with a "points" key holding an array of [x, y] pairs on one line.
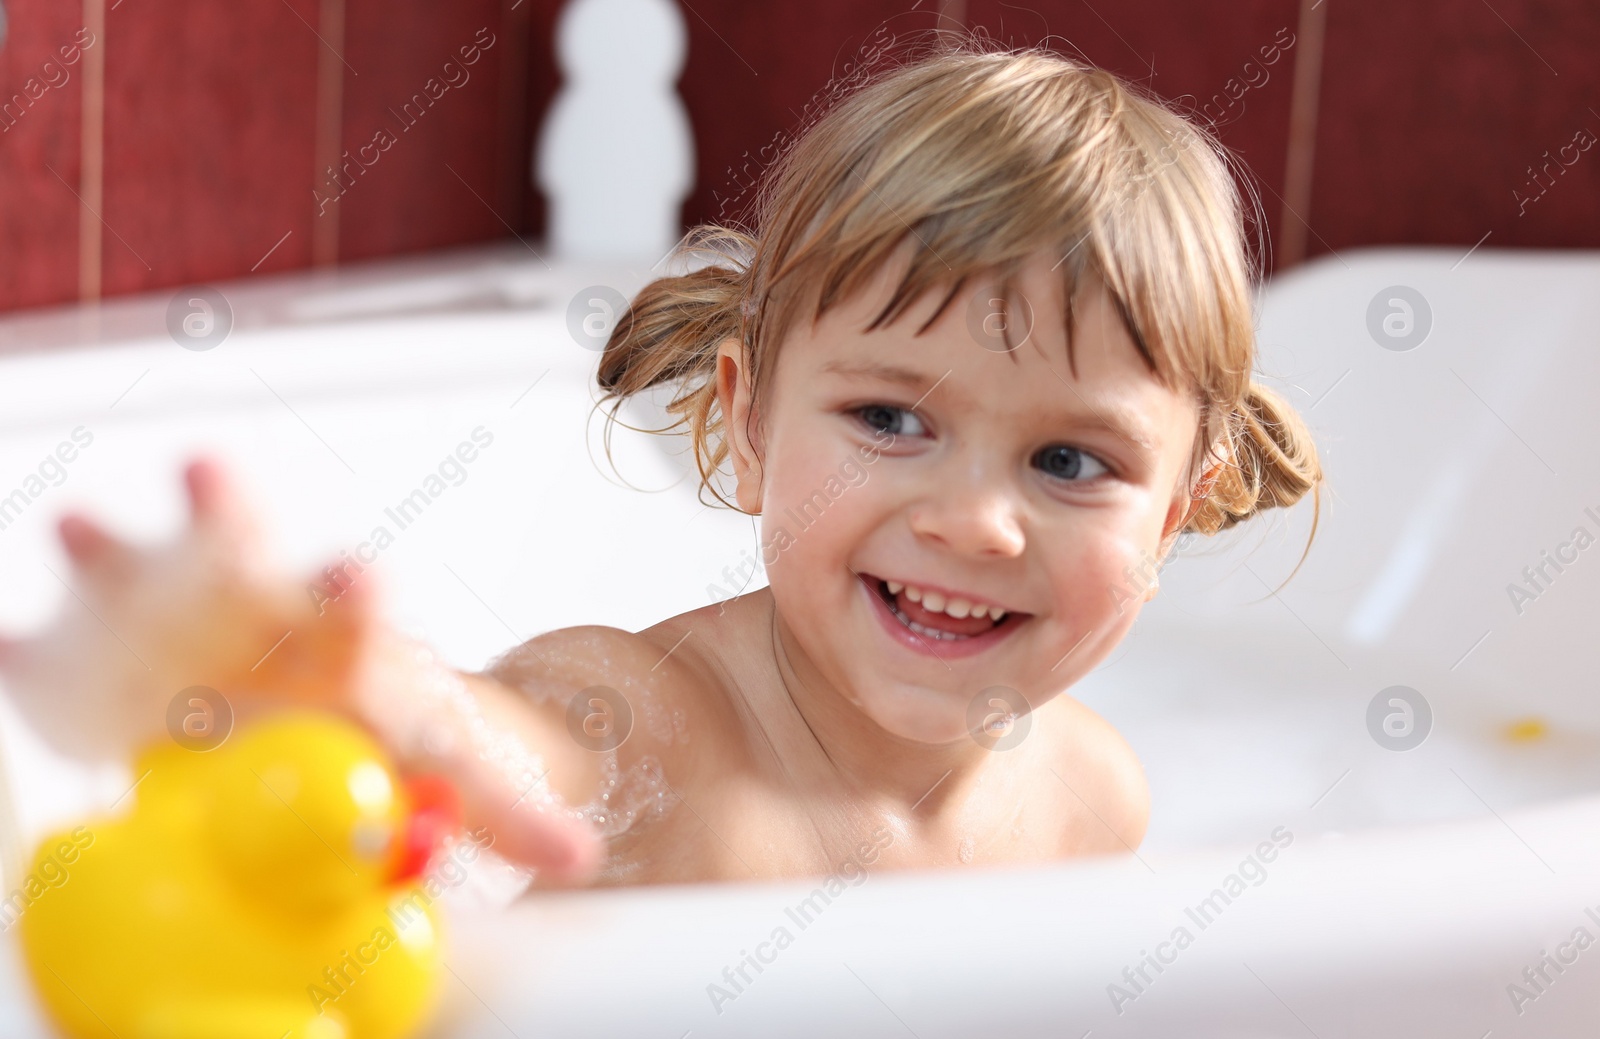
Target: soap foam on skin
{"points": [[626, 796]]}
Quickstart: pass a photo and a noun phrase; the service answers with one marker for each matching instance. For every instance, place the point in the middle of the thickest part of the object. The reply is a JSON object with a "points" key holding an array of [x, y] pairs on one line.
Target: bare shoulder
{"points": [[1107, 794], [617, 684]]}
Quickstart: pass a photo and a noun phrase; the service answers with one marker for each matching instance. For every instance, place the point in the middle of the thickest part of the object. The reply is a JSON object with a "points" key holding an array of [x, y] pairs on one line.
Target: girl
{"points": [[986, 357]]}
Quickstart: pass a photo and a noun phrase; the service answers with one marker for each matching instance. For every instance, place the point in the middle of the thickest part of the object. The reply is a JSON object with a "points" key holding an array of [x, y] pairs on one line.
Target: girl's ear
{"points": [[740, 422], [1184, 507]]}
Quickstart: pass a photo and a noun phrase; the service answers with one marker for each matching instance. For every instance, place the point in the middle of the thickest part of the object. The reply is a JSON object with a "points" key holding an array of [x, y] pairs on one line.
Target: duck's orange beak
{"points": [[434, 816]]}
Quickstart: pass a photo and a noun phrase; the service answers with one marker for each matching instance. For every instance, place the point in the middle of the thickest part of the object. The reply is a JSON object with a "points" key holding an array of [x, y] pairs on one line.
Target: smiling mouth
{"points": [[935, 625]]}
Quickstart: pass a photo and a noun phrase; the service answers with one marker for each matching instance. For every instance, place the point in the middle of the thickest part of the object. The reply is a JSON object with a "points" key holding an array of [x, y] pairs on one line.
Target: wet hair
{"points": [[977, 158]]}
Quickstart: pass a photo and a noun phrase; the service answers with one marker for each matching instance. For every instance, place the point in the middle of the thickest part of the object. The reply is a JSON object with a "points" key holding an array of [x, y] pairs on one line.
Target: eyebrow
{"points": [[874, 370], [1117, 418]]}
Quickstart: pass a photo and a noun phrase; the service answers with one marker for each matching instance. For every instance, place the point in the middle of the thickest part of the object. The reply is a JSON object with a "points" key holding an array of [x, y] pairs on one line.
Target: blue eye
{"points": [[1070, 463], [1065, 463], [893, 419]]}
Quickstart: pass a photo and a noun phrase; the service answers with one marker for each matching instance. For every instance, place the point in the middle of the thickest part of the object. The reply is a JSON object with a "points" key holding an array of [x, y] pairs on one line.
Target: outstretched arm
{"points": [[207, 610], [515, 766]]}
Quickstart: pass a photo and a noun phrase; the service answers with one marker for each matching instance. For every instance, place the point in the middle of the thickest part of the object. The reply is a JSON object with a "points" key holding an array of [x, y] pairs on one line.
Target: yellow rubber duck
{"points": [[260, 890]]}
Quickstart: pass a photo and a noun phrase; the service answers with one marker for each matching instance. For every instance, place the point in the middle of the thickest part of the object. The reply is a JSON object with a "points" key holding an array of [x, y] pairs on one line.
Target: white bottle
{"points": [[615, 157]]}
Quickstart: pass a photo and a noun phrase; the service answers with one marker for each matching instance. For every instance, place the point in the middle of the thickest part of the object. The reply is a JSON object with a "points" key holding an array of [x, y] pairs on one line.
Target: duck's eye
{"points": [[1070, 463], [886, 418]]}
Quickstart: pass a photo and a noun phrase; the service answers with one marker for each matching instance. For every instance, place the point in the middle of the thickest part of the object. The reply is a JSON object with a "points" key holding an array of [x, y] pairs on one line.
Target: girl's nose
{"points": [[970, 521]]}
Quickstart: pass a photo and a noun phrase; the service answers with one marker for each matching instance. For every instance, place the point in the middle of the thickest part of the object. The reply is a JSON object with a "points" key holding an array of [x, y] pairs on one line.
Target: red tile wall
{"points": [[210, 136], [1431, 111], [438, 183], [1431, 114], [752, 71], [38, 214], [208, 140], [1437, 118]]}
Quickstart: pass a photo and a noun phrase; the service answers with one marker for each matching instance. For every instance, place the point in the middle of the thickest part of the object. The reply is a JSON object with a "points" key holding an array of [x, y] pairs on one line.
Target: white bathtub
{"points": [[1418, 885]]}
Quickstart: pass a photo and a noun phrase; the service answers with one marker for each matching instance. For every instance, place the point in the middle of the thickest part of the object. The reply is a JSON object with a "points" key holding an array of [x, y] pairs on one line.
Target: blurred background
{"points": [[192, 141]]}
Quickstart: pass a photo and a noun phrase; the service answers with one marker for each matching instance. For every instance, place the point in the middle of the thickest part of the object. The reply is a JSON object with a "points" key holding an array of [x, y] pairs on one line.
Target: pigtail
{"points": [[670, 332], [1271, 465], [1272, 462]]}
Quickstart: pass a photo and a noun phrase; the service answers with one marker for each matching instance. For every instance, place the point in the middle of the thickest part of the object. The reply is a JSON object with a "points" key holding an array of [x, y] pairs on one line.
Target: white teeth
{"points": [[937, 603], [923, 629], [934, 633]]}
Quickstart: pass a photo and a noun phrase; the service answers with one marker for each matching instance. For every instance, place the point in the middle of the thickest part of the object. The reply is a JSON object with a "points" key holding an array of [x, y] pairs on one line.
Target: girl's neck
{"points": [[913, 780]]}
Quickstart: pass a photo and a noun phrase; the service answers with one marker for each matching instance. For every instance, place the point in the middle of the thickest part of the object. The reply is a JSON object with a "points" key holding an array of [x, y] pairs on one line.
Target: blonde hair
{"points": [[986, 157]]}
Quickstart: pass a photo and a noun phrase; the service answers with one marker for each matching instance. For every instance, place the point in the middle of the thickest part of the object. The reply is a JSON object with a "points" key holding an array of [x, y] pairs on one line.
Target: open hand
{"points": [[144, 626]]}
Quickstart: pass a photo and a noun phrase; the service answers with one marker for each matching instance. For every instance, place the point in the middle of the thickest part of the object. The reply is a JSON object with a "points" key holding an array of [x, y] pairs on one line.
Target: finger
{"points": [[88, 544], [340, 634], [349, 585], [215, 502], [346, 604], [19, 658], [529, 829]]}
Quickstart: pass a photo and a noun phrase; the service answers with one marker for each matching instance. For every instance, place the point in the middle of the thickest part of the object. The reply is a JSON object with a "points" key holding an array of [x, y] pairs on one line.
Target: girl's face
{"points": [[945, 463]]}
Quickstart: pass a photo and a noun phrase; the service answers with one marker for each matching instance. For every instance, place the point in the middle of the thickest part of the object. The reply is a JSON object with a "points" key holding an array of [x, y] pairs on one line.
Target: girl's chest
{"points": [[745, 830]]}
